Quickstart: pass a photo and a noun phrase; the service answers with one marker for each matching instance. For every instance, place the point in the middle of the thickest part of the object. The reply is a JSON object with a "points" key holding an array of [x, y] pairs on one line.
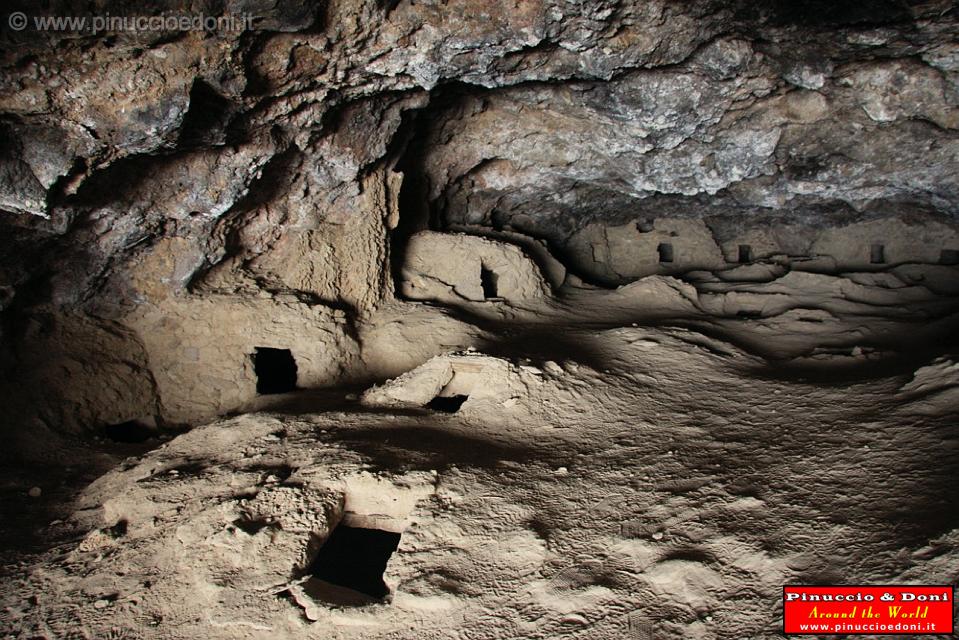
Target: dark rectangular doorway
{"points": [[356, 558], [275, 370]]}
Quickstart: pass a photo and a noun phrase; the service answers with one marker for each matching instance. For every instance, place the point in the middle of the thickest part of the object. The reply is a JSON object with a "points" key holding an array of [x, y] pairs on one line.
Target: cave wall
{"points": [[618, 254], [172, 200], [725, 148]]}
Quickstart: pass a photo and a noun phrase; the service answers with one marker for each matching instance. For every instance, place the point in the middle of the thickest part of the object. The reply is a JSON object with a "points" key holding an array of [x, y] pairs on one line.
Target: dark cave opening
{"points": [[666, 253], [447, 404], [275, 370], [745, 254], [877, 254], [824, 13], [129, 432], [489, 281], [356, 558], [206, 120], [949, 257], [419, 208], [411, 146], [119, 529]]}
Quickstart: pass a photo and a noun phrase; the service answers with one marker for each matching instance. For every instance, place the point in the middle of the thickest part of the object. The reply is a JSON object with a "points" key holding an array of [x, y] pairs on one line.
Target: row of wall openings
{"points": [[667, 253], [877, 254]]}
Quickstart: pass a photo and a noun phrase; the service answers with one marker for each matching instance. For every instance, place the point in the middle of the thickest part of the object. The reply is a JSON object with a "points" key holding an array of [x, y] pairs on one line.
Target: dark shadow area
{"points": [[32, 526], [830, 13], [912, 345], [489, 280], [666, 253], [321, 400], [448, 404], [923, 511], [251, 526], [949, 257], [206, 119], [131, 431], [413, 202], [190, 468], [546, 342], [387, 6], [356, 559], [911, 490], [900, 365], [275, 370], [424, 448]]}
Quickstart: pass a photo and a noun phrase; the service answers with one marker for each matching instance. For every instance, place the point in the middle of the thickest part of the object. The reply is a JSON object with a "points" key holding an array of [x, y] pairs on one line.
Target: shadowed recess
{"points": [[413, 447], [447, 404], [131, 431], [356, 558], [275, 370]]}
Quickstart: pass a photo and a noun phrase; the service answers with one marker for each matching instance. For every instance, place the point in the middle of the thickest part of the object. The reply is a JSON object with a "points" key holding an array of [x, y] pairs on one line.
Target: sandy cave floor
{"points": [[641, 478]]}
